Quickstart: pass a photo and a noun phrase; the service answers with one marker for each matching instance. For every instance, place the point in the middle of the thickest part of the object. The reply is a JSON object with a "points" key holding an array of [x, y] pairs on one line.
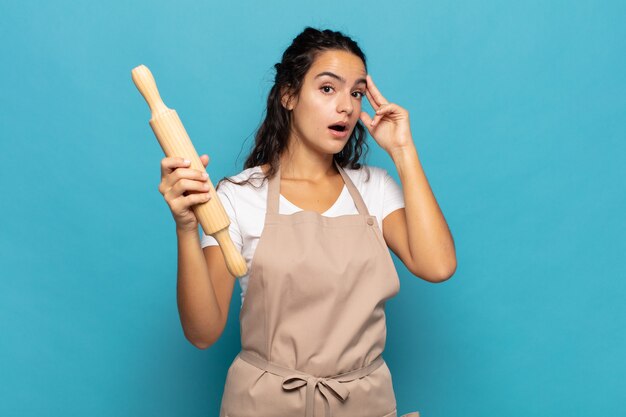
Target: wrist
{"points": [[407, 154], [186, 231]]}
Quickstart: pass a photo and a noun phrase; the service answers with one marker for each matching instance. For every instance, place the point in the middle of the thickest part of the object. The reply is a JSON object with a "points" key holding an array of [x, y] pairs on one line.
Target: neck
{"points": [[300, 163]]}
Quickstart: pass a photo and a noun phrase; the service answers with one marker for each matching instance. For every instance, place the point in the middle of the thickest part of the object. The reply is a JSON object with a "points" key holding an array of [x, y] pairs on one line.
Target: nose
{"points": [[345, 103]]}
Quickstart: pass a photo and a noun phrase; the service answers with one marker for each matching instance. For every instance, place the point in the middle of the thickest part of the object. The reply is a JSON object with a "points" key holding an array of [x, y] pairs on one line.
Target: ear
{"points": [[286, 99]]}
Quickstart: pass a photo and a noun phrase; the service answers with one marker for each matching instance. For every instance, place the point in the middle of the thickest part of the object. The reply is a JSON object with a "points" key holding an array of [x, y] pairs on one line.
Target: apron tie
{"points": [[326, 386], [293, 379]]}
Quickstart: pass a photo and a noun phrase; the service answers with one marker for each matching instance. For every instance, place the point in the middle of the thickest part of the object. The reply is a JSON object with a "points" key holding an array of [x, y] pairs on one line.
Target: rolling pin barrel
{"points": [[175, 142]]}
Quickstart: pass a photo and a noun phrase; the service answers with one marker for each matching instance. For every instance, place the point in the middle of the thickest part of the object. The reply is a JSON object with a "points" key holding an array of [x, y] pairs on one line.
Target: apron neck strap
{"points": [[273, 194]]}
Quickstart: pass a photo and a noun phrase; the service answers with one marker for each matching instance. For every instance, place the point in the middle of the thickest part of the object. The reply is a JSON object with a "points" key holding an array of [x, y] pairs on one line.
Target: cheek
{"points": [[313, 107], [358, 105]]}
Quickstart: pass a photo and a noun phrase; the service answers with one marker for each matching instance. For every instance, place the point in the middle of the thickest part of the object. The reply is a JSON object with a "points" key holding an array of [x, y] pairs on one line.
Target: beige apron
{"points": [[313, 320]]}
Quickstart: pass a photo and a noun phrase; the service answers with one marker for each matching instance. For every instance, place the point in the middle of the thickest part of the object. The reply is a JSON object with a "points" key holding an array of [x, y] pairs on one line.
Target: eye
{"points": [[361, 94]]}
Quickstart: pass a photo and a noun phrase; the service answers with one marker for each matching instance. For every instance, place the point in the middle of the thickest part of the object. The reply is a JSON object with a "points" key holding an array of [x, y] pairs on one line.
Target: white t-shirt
{"points": [[246, 206]]}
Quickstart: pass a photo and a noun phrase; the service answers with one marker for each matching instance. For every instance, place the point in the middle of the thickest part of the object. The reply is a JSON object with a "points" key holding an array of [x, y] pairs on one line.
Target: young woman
{"points": [[314, 226]]}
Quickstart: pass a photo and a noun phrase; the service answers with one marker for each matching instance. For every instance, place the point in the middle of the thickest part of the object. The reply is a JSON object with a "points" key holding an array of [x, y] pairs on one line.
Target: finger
{"points": [[188, 187], [189, 173], [205, 160], [169, 164], [367, 121], [374, 90], [193, 199], [375, 105], [182, 203], [384, 110], [380, 113], [179, 174]]}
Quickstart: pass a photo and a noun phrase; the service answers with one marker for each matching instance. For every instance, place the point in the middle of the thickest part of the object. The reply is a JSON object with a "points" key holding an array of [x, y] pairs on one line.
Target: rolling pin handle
{"points": [[143, 79], [235, 263]]}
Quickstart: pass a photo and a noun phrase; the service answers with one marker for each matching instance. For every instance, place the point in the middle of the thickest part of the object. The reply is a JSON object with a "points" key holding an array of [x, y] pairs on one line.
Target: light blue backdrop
{"points": [[518, 112]]}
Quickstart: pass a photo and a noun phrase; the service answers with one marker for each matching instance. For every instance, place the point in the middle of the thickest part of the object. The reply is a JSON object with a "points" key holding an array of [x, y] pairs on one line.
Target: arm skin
{"points": [[418, 233], [203, 291]]}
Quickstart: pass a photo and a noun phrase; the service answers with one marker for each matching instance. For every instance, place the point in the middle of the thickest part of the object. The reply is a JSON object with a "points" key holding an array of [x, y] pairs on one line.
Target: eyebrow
{"points": [[337, 77]]}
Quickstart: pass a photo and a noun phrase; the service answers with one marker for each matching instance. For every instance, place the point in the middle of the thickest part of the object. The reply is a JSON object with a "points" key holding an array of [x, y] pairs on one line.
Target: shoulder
{"points": [[250, 178], [245, 191]]}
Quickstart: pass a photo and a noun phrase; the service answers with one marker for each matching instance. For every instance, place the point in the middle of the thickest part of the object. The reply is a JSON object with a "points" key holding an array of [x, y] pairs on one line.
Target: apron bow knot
{"points": [[326, 386]]}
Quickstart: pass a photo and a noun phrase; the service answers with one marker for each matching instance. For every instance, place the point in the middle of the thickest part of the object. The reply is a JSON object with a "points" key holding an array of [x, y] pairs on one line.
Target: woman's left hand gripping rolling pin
{"points": [[174, 141]]}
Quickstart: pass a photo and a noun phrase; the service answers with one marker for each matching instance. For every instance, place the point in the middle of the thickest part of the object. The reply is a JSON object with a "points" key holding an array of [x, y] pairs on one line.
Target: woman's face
{"points": [[332, 92]]}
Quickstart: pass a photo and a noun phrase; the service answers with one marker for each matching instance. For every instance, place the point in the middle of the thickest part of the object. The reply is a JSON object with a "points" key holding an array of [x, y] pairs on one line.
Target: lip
{"points": [[338, 134]]}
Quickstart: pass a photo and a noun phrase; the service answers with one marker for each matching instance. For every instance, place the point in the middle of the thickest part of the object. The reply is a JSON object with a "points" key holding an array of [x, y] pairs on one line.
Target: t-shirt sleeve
{"points": [[226, 196], [393, 197]]}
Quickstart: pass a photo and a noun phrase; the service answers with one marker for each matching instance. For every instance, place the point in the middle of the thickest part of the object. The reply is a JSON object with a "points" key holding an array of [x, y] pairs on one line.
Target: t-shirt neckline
{"points": [[341, 194]]}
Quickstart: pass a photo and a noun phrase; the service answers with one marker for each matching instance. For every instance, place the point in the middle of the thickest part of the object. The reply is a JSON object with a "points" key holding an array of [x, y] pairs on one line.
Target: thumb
{"points": [[205, 159]]}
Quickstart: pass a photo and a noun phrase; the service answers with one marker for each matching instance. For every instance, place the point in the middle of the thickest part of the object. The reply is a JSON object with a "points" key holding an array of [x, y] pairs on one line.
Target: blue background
{"points": [[518, 113]]}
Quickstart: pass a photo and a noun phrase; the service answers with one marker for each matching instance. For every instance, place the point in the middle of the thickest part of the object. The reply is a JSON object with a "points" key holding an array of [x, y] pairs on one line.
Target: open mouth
{"points": [[338, 128]]}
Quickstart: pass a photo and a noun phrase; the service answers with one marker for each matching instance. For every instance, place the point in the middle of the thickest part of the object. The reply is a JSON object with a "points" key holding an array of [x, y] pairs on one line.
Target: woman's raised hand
{"points": [[390, 126], [183, 188]]}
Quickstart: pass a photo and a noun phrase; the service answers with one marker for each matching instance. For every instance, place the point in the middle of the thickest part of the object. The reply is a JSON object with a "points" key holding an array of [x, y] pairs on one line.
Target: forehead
{"points": [[342, 63]]}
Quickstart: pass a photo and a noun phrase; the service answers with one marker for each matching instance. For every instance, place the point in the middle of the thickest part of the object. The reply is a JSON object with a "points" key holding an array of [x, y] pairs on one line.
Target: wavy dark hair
{"points": [[273, 134]]}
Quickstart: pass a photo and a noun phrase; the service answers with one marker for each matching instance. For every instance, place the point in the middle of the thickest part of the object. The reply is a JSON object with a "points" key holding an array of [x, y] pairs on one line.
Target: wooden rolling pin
{"points": [[175, 142]]}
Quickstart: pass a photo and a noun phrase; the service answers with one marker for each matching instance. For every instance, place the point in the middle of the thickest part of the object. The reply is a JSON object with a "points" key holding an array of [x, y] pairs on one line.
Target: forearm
{"points": [[430, 242], [198, 308]]}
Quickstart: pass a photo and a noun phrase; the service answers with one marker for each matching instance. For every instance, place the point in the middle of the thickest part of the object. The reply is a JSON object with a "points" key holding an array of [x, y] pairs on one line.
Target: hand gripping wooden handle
{"points": [[175, 142]]}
